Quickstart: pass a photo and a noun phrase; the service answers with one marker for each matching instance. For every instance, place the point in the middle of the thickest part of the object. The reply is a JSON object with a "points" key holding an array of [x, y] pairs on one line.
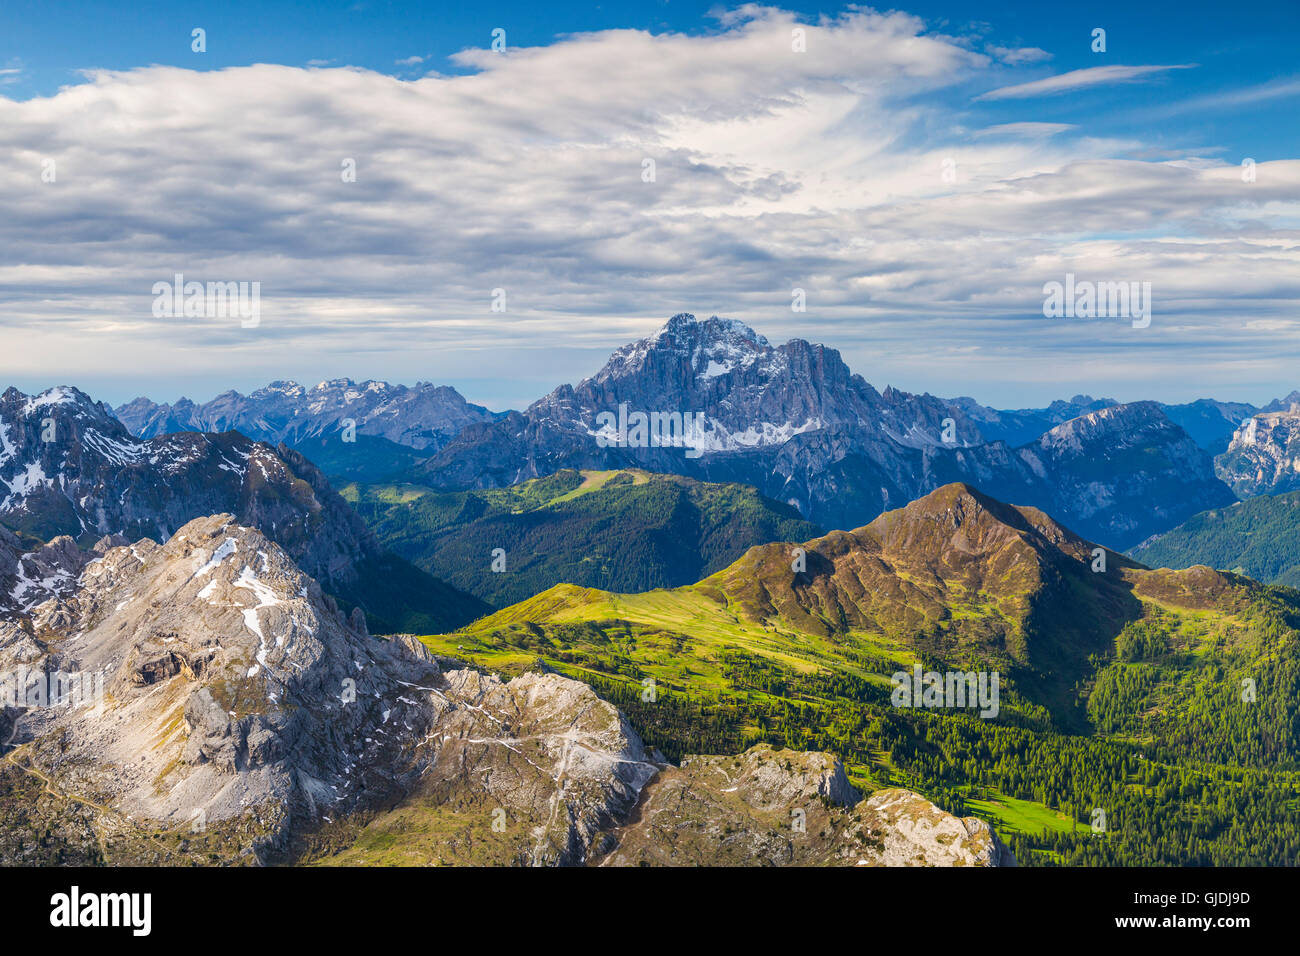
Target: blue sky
{"points": [[1233, 49], [520, 171]]}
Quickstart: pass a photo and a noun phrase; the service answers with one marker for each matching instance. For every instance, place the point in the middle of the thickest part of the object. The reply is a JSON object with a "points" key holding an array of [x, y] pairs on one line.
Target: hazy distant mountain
{"points": [[389, 421], [1282, 404], [1016, 427], [1210, 423]]}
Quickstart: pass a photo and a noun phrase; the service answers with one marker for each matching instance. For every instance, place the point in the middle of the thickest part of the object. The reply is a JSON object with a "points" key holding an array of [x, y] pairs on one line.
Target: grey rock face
{"points": [[1264, 454], [776, 807], [229, 688], [226, 684], [1121, 474], [28, 578], [560, 762], [68, 467]]}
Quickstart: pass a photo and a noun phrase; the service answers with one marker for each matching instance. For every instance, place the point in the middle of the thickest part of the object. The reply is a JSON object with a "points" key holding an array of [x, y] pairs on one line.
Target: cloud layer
{"points": [[862, 170]]}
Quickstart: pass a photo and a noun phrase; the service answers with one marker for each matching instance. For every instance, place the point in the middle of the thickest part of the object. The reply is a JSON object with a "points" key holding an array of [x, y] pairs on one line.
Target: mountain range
{"points": [[203, 701], [795, 423], [366, 431], [423, 416], [650, 619], [791, 421]]}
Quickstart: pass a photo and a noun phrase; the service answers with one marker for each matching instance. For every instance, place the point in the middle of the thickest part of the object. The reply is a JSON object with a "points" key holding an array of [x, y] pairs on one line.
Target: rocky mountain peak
{"points": [[68, 467], [65, 402], [688, 346], [686, 325], [960, 519], [281, 387], [231, 685], [1283, 404]]}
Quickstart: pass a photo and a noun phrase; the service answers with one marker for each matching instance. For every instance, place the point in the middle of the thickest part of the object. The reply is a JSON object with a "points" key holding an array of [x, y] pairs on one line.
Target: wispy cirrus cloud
{"points": [[1283, 88], [1078, 80], [1023, 129]]}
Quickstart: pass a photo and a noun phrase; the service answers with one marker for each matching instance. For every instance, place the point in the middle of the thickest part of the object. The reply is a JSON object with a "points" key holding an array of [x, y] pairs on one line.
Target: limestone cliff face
{"points": [[217, 683], [1263, 457], [223, 706]]}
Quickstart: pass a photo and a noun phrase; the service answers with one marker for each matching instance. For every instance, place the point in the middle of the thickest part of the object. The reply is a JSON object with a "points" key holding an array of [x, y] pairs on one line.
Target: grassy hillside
{"points": [[619, 530], [1259, 537], [1120, 690]]}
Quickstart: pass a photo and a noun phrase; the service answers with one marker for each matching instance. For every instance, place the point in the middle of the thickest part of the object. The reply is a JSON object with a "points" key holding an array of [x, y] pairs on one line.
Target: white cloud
{"points": [[1018, 56], [1078, 80]]}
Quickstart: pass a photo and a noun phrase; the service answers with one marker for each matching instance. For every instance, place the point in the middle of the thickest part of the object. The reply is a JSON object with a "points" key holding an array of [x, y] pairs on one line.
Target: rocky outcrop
{"points": [[529, 772], [1263, 457], [214, 680], [211, 680], [777, 807]]}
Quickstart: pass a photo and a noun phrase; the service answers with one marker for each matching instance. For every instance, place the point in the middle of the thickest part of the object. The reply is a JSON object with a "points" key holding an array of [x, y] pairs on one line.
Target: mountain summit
{"points": [[795, 422]]}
